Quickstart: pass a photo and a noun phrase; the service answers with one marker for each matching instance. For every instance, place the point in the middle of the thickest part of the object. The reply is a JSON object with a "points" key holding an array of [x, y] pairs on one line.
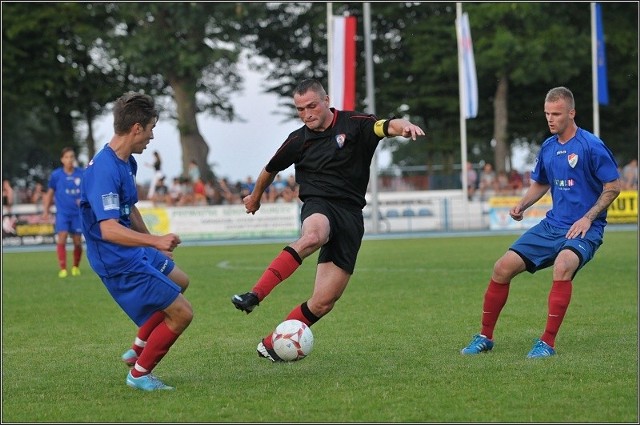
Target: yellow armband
{"points": [[381, 128]]}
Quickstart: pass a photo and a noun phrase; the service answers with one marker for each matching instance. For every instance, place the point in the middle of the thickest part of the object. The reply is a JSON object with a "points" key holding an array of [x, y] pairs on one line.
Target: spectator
{"points": [[472, 180], [277, 187], [175, 191], [630, 175], [193, 171], [157, 173], [515, 182], [247, 187], [290, 192], [488, 181], [502, 184], [199, 192], [7, 196], [227, 195], [161, 192], [37, 194]]}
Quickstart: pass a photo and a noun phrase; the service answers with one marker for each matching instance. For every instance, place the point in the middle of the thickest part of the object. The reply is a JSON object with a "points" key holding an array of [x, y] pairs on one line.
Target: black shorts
{"points": [[346, 232]]}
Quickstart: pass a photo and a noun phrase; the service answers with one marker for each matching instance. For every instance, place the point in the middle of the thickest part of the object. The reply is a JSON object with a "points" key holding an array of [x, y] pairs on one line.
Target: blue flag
{"points": [[603, 89]]}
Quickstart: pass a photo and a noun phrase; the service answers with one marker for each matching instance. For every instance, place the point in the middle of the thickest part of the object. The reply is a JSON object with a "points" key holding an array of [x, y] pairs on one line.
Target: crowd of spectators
{"points": [[193, 190]]}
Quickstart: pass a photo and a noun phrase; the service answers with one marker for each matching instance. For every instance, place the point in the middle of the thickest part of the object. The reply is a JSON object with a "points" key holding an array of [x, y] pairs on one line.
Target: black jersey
{"points": [[333, 164]]}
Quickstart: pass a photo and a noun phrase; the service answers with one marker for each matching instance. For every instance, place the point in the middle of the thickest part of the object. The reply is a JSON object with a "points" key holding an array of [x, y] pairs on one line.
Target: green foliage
{"points": [[63, 63], [388, 352]]}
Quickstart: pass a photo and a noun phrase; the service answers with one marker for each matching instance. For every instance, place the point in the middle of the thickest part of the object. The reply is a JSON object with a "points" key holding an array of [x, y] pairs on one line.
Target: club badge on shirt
{"points": [[340, 139], [573, 160]]}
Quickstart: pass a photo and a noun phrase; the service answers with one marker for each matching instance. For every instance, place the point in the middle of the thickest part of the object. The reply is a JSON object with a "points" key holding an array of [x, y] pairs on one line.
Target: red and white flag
{"points": [[342, 74]]}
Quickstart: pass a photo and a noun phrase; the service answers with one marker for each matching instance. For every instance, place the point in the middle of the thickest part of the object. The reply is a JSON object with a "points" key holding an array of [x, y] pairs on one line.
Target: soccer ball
{"points": [[292, 340]]}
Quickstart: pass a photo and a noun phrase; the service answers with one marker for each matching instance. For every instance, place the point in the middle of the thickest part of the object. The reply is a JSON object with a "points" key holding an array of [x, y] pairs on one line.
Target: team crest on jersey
{"points": [[573, 160], [77, 181], [340, 139]]}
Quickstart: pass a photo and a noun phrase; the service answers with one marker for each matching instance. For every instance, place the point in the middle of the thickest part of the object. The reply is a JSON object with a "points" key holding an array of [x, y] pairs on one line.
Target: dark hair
{"points": [[309, 84], [132, 108], [67, 149]]}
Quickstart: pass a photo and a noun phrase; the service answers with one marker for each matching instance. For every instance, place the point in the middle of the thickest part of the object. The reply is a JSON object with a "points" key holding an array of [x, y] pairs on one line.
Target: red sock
{"points": [[145, 330], [61, 249], [77, 254], [280, 268], [158, 344], [559, 298], [301, 313], [495, 298]]}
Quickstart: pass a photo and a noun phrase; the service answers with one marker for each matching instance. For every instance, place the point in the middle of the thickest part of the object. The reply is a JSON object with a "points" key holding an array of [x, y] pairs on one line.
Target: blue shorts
{"points": [[69, 223], [160, 261], [141, 291], [540, 245]]}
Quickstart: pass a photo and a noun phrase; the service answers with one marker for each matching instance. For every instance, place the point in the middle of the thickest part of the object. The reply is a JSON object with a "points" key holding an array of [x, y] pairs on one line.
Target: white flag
{"points": [[469, 87]]}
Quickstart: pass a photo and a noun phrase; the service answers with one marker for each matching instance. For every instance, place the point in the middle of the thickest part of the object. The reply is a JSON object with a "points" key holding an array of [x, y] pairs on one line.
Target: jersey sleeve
{"points": [[287, 153], [101, 186]]}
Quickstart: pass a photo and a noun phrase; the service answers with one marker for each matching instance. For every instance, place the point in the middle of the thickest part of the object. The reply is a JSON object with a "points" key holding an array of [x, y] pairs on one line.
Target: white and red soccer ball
{"points": [[292, 340]]}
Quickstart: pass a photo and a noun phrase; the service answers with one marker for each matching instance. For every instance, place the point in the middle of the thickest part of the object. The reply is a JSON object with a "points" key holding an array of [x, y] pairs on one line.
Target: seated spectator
{"points": [[8, 196], [161, 192], [629, 175], [515, 182], [199, 192], [175, 191], [247, 187], [186, 191], [502, 184], [488, 181], [36, 195], [472, 180], [228, 196], [276, 189], [290, 192]]}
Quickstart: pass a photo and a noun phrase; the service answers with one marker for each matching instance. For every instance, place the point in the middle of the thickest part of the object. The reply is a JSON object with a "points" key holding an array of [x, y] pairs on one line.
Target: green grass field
{"points": [[389, 351]]}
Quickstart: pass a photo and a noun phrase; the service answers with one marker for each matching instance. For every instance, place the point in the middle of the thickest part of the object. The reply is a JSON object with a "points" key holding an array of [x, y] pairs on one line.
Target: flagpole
{"points": [[371, 108], [329, 47], [594, 71], [463, 120]]}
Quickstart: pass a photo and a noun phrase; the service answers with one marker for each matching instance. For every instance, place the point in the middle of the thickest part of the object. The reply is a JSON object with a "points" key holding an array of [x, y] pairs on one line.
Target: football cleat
{"points": [[541, 349], [267, 353], [75, 271], [62, 274], [246, 302], [478, 344], [147, 383], [129, 357]]}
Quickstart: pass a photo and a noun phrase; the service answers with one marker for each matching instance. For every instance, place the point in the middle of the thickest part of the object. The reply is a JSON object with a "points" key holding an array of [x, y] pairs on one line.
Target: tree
{"points": [[187, 51]]}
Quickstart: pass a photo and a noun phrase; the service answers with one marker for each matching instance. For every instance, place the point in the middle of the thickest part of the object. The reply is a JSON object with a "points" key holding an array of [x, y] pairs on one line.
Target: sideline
{"points": [[381, 236]]}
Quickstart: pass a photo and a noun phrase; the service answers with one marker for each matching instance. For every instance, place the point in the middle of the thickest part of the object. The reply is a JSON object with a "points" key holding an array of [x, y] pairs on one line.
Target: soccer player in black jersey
{"points": [[332, 153]]}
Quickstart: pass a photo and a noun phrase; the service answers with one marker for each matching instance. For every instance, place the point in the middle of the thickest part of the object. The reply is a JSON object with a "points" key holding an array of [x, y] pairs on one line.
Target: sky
{"points": [[236, 150]]}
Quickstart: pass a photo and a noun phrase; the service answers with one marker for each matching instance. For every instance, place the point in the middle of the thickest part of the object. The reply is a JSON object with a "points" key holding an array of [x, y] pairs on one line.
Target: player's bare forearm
{"points": [[137, 222], [610, 192], [114, 232], [404, 128], [533, 194]]}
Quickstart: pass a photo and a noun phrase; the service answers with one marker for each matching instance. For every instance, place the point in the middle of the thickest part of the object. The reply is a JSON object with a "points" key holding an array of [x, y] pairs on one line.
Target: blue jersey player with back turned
{"points": [[582, 175]]}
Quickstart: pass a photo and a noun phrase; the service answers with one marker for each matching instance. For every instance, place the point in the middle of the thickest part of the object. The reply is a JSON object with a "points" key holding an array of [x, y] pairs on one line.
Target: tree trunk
{"points": [[193, 144], [500, 122], [89, 141]]}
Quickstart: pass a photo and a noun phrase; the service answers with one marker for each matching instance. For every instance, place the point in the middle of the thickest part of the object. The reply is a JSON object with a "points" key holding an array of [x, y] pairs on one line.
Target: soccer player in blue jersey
{"points": [[332, 153], [64, 191], [582, 175], [120, 249]]}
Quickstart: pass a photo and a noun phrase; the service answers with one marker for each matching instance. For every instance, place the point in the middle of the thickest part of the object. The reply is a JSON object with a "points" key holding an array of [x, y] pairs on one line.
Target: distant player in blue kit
{"points": [[332, 153], [64, 191], [583, 177], [131, 262]]}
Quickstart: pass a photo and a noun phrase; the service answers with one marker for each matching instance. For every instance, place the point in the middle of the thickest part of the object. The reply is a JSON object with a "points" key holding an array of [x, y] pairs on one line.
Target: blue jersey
{"points": [[576, 172], [109, 192], [66, 189]]}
